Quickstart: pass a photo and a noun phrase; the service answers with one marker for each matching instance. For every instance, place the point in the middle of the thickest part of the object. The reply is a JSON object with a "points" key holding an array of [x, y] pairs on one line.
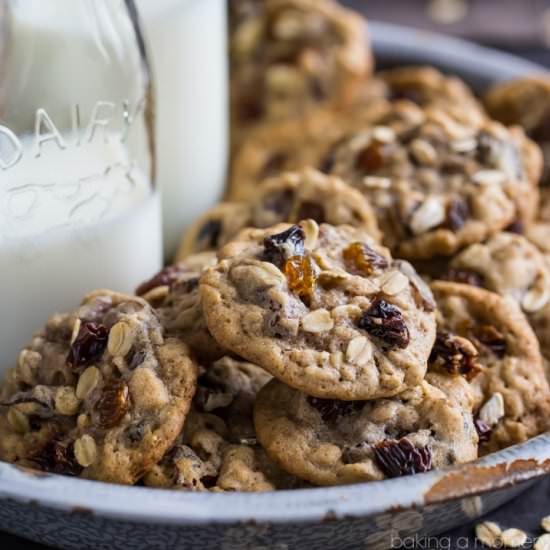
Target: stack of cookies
{"points": [[371, 301]]}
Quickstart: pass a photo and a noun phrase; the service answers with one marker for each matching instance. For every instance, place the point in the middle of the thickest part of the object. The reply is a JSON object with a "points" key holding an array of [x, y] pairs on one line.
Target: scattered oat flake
{"points": [[543, 542], [513, 538], [545, 523], [489, 534]]}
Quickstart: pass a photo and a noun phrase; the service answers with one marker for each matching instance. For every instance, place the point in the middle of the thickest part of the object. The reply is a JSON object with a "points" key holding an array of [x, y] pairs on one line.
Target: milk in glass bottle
{"points": [[188, 46], [78, 205]]}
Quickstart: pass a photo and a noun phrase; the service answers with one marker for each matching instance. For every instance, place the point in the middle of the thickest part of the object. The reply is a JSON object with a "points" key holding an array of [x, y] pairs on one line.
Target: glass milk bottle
{"points": [[188, 44], [78, 205]]}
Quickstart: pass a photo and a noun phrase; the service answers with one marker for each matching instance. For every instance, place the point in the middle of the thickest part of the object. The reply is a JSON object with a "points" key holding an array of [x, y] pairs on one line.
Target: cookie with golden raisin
{"points": [[323, 308]]}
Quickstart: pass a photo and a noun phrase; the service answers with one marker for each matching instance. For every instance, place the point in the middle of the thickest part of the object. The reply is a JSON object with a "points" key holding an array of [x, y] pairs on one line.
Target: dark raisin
{"points": [[384, 321], [483, 430], [492, 338], [333, 409], [458, 212], [401, 458], [112, 405], [209, 233], [455, 355], [166, 277], [464, 276], [275, 164], [89, 345], [312, 210], [364, 258], [373, 157], [209, 481], [280, 203], [279, 247], [516, 227], [56, 457]]}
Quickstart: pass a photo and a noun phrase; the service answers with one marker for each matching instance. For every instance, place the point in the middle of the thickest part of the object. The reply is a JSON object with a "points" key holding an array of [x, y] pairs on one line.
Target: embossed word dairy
{"points": [[104, 115]]}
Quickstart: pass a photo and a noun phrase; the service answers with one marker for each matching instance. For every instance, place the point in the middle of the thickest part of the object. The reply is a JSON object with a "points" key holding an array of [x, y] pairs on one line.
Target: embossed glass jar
{"points": [[78, 205]]}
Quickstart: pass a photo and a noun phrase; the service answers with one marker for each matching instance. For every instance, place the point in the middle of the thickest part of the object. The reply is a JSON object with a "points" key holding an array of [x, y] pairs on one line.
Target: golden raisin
{"points": [[113, 404], [300, 275], [364, 258]]}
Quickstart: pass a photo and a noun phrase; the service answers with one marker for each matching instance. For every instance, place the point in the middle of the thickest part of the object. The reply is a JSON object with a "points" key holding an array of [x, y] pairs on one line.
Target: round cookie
{"points": [[526, 102], [439, 184], [291, 55], [290, 197], [324, 309], [330, 442], [511, 391], [217, 450], [174, 293], [101, 393]]}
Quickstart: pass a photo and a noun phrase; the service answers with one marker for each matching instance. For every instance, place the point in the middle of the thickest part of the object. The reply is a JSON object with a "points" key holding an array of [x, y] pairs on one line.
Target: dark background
{"points": [[519, 26]]}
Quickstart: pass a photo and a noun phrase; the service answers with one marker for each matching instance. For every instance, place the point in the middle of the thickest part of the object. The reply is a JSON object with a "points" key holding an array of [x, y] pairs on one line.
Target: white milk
{"points": [[188, 45], [71, 220], [65, 52]]}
